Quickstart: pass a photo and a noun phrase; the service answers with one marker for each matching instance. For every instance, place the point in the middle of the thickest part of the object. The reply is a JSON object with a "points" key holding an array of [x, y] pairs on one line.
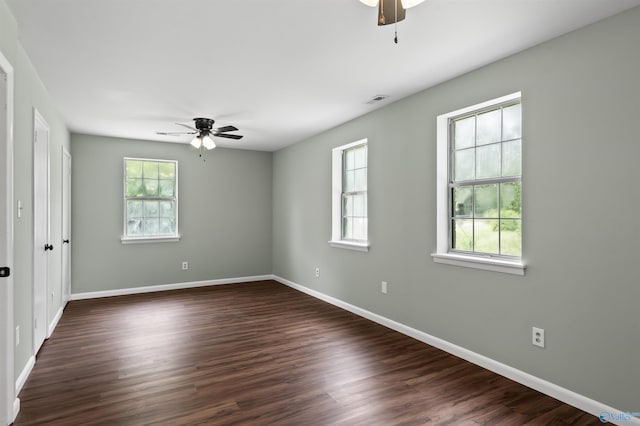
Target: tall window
{"points": [[482, 192], [350, 223], [150, 199]]}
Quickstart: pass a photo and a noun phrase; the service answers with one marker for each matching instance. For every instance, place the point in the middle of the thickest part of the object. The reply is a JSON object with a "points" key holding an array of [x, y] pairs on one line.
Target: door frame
{"points": [[9, 403], [66, 224], [38, 120]]}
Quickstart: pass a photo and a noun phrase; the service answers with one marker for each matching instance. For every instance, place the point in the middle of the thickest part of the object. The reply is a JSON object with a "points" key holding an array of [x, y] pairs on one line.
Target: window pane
{"points": [[366, 205], [167, 170], [151, 209], [167, 188], [151, 226], [360, 180], [488, 161], [463, 201], [359, 229], [511, 158], [347, 228], [510, 200], [350, 161], [134, 209], [464, 133], [133, 168], [486, 236], [167, 209], [134, 227], [358, 205], [134, 188], [167, 226], [464, 166], [462, 235], [489, 127], [347, 205], [349, 181], [360, 158], [511, 123], [150, 170], [150, 187], [486, 201], [511, 237]]}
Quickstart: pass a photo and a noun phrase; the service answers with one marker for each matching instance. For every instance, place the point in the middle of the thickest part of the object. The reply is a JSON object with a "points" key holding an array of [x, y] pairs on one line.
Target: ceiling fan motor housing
{"points": [[204, 124]]}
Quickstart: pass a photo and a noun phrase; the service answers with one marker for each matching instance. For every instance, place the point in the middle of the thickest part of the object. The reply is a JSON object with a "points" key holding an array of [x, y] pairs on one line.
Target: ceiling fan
{"points": [[391, 11], [204, 131]]}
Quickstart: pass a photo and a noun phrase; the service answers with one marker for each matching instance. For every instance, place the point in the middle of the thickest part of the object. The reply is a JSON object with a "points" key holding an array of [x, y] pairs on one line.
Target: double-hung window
{"points": [[150, 200], [350, 223], [480, 186]]}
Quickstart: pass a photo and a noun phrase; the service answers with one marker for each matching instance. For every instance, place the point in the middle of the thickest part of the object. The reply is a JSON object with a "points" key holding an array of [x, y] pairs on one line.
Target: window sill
{"points": [[476, 262], [349, 245], [143, 240]]}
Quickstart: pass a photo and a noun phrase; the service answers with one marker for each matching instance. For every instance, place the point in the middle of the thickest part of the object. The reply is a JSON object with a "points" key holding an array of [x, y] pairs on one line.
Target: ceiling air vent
{"points": [[377, 98]]}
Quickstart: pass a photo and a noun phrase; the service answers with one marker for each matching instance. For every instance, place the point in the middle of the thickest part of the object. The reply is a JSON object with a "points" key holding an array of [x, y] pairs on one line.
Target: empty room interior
{"points": [[321, 212]]}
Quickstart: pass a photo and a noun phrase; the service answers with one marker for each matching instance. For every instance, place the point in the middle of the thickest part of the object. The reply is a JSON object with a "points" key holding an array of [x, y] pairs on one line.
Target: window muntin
{"points": [[354, 194], [150, 198], [485, 154]]}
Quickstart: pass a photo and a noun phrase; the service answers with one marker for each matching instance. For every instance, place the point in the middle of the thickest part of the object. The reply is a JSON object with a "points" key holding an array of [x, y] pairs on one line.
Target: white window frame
{"points": [[125, 239], [443, 253], [337, 168]]}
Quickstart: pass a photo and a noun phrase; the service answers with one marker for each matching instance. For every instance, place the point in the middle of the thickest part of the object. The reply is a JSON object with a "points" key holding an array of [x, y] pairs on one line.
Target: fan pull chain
{"points": [[395, 38]]}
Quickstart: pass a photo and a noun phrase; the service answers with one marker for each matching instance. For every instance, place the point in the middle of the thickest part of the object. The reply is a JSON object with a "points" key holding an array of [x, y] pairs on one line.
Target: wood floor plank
{"points": [[259, 354]]}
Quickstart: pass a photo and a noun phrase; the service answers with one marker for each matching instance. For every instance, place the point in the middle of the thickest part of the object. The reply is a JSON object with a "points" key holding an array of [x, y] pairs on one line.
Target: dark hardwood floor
{"points": [[259, 354]]}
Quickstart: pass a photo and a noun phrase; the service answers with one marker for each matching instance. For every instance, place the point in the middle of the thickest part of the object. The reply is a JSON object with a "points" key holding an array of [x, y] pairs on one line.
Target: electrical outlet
{"points": [[317, 272], [185, 265], [537, 336], [384, 287], [17, 335]]}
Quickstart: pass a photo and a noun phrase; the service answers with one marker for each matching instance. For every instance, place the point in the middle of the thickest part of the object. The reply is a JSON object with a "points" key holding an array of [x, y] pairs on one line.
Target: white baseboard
{"points": [[22, 378], [16, 409], [165, 287], [598, 409], [54, 321]]}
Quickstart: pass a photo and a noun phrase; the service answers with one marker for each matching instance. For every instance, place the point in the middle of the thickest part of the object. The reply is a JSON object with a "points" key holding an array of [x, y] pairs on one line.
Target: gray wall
{"points": [[581, 100], [30, 93], [224, 216]]}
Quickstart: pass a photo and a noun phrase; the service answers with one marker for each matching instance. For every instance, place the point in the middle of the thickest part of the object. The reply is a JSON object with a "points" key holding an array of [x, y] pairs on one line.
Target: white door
{"points": [[42, 246], [66, 225], [7, 386]]}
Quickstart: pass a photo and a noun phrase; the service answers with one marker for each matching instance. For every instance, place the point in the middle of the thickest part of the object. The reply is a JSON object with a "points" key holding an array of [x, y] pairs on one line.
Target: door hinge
{"points": [[5, 271]]}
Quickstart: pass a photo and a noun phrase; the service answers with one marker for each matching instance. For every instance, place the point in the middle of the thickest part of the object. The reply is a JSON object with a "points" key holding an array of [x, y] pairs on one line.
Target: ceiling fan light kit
{"points": [[205, 141]]}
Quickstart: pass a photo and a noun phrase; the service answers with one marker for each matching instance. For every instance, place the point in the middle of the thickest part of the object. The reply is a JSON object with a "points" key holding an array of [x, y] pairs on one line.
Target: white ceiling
{"points": [[280, 70]]}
